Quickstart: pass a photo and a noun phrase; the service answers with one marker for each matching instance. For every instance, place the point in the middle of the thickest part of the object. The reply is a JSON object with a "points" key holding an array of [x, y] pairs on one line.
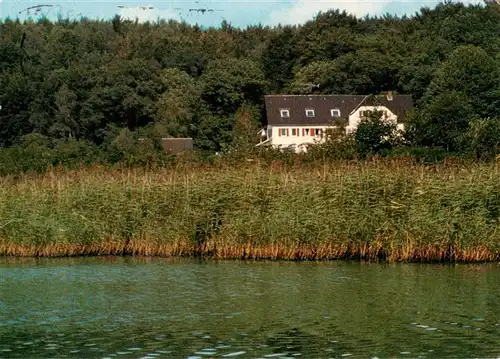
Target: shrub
{"points": [[374, 136], [483, 138]]}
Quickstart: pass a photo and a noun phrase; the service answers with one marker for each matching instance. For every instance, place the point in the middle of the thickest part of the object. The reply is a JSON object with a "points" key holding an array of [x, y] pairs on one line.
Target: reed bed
{"points": [[380, 210]]}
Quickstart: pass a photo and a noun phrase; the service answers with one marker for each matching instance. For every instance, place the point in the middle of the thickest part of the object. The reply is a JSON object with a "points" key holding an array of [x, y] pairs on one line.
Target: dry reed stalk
{"points": [[247, 251], [388, 210]]}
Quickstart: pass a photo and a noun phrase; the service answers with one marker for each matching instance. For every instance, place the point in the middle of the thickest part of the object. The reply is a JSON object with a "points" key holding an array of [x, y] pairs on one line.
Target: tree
{"points": [[175, 108], [16, 96], [81, 79], [483, 138], [65, 123], [214, 134], [443, 122], [465, 87], [320, 76], [330, 35], [280, 57], [245, 132], [374, 135], [368, 71], [472, 72], [228, 83], [124, 93]]}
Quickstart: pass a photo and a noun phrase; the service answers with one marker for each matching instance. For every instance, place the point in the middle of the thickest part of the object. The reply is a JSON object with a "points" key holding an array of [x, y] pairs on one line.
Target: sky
{"points": [[240, 13]]}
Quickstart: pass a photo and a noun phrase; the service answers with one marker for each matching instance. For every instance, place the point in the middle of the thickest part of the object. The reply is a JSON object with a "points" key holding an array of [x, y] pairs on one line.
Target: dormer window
{"points": [[285, 113], [310, 113], [335, 112]]}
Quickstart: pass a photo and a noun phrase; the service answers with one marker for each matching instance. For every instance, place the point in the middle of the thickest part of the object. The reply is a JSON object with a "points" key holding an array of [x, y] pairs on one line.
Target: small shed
{"points": [[176, 145]]}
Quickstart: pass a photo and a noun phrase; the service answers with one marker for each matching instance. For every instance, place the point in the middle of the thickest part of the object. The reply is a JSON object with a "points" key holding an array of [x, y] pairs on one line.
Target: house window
{"points": [[318, 132], [295, 132], [283, 132], [335, 112], [310, 113], [285, 113]]}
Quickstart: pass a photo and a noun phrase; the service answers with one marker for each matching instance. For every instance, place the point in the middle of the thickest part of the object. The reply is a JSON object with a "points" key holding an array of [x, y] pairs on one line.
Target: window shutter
{"points": [[279, 132]]}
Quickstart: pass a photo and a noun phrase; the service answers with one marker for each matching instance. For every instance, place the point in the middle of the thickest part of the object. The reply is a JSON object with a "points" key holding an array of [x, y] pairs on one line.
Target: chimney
{"points": [[389, 96]]}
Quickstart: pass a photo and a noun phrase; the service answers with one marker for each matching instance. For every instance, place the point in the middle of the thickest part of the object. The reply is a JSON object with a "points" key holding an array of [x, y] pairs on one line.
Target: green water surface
{"points": [[158, 308]]}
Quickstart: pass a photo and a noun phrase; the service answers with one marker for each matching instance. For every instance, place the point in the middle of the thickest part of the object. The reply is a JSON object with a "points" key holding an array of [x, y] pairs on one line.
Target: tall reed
{"points": [[389, 209]]}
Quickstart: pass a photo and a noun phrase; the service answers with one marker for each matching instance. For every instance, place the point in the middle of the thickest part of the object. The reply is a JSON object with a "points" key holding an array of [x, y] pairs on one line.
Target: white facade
{"points": [[295, 138], [387, 115], [298, 137]]}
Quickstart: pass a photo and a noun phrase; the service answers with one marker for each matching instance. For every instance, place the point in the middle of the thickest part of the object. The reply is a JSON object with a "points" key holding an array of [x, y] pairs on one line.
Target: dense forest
{"points": [[84, 89]]}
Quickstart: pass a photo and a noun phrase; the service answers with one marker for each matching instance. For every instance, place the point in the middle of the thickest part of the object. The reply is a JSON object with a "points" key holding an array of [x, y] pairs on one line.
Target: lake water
{"points": [[159, 308]]}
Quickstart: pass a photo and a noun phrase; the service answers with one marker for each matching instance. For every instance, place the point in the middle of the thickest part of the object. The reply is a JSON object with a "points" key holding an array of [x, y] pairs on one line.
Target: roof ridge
{"points": [[315, 95], [335, 95]]}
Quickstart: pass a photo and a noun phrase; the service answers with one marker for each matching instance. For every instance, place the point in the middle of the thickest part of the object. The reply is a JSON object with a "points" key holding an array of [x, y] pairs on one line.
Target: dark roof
{"points": [[177, 145], [323, 104]]}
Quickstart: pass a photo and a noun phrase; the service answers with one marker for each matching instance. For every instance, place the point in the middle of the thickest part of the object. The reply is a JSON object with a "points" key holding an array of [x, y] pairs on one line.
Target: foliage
{"points": [[466, 87], [245, 131], [280, 57], [36, 152], [338, 145], [443, 122], [88, 84], [374, 135], [177, 106], [469, 71], [483, 138], [380, 209], [228, 83]]}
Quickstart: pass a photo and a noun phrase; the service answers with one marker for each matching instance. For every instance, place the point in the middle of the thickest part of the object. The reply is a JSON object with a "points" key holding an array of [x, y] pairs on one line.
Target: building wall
{"points": [[301, 137]]}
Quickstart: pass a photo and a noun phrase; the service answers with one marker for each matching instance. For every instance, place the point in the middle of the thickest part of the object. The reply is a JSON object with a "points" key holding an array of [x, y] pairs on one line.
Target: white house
{"points": [[296, 121]]}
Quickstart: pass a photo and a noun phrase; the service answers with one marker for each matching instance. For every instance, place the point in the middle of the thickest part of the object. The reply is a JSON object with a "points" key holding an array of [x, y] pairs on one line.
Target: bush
{"points": [[72, 153], [34, 153], [374, 136], [422, 154], [443, 122], [483, 138], [338, 146]]}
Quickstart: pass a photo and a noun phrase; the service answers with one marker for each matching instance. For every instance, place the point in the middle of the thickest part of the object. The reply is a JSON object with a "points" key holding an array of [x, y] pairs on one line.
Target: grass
{"points": [[389, 210]]}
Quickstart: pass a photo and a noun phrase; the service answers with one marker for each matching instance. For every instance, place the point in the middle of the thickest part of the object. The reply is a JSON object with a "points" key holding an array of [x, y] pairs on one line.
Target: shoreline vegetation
{"points": [[389, 210], [92, 99]]}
